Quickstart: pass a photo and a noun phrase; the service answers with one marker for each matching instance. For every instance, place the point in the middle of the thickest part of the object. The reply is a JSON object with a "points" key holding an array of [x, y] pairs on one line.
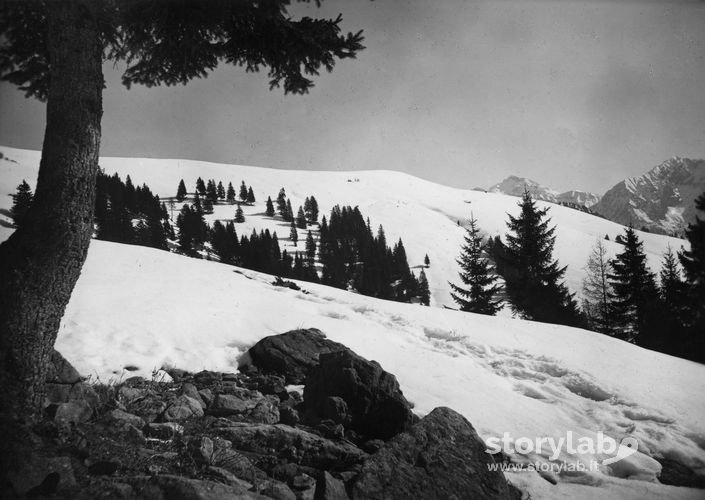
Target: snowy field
{"points": [[149, 308]]}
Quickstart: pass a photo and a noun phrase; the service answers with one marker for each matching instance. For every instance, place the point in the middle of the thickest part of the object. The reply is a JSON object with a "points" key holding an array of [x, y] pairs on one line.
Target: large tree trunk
{"points": [[41, 262]]}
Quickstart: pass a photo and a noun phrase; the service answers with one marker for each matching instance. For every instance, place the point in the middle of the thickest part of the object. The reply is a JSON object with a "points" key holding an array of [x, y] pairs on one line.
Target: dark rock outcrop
{"points": [[292, 354], [376, 407], [293, 444], [217, 435], [441, 457]]}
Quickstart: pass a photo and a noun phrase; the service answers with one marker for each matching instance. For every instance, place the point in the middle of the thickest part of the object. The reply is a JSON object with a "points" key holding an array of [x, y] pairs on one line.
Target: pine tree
{"points": [[293, 234], [269, 211], [220, 190], [211, 191], [481, 288], [197, 203], [310, 249], [426, 261], [307, 208], [230, 196], [239, 215], [281, 202], [250, 195], [288, 212], [531, 275], [21, 201], [674, 312], [200, 187], [313, 217], [424, 293], [301, 219], [596, 289], [181, 191], [693, 263], [243, 191], [129, 196], [208, 205], [635, 293]]}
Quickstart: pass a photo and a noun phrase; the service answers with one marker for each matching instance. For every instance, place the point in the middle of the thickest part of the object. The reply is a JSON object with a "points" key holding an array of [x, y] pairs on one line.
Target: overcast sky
{"points": [[573, 94]]}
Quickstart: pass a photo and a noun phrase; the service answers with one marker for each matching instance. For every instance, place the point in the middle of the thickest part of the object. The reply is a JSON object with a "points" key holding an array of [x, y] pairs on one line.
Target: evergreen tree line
{"points": [[212, 193], [306, 214], [352, 257], [626, 299], [128, 214], [123, 213], [261, 252], [623, 297]]}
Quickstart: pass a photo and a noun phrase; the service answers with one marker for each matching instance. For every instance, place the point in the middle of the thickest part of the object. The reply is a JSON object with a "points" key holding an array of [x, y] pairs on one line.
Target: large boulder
{"points": [[376, 406], [440, 457], [291, 354]]}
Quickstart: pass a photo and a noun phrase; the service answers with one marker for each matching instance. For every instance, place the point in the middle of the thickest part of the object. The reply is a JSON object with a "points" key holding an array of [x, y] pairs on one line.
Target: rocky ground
{"points": [[304, 418]]}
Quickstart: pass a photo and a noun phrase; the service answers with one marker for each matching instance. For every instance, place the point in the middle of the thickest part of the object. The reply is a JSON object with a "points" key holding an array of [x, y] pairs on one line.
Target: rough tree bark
{"points": [[41, 262]]}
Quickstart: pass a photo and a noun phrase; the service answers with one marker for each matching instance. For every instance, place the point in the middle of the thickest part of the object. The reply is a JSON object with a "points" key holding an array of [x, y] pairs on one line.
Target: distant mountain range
{"points": [[515, 186], [660, 201]]}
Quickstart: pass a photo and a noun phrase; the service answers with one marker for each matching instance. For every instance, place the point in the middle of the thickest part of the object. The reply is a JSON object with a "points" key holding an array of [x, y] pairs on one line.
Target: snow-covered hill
{"points": [[149, 308], [515, 186], [428, 217], [662, 200]]}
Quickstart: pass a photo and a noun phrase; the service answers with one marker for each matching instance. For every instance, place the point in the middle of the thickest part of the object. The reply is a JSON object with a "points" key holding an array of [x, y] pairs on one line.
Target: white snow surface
{"points": [[149, 308]]}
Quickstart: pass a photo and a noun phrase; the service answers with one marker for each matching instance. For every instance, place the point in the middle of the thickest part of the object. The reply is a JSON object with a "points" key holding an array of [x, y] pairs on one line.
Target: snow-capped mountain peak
{"points": [[661, 200], [515, 186]]}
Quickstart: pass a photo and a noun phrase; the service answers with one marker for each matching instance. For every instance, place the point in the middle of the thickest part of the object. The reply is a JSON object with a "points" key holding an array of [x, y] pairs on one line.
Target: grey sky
{"points": [[573, 94]]}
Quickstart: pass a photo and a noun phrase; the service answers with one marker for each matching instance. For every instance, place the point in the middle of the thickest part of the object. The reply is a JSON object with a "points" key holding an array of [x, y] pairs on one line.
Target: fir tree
{"points": [[21, 201], [269, 211], [481, 288], [635, 293], [129, 196], [239, 215], [243, 191], [313, 216], [426, 261], [301, 219], [531, 275], [281, 202], [250, 195], [211, 191], [293, 234], [596, 290], [230, 195], [200, 187], [208, 205], [181, 191], [424, 293], [220, 190], [674, 311], [307, 207], [197, 203], [693, 263], [288, 212], [310, 249]]}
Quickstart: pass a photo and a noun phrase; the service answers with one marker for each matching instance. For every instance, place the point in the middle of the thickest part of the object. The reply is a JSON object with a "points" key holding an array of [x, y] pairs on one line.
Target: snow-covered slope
{"points": [[515, 186], [662, 200], [428, 217], [149, 308]]}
